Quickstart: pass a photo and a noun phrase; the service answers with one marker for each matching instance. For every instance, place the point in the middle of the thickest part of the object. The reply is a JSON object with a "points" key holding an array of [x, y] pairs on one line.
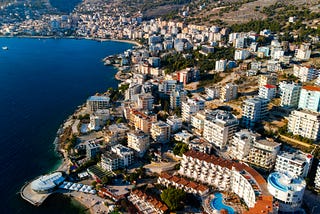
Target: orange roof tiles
{"points": [[311, 88]]}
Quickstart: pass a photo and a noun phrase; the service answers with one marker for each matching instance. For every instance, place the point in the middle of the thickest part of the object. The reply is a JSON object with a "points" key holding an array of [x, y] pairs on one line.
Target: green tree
{"points": [[173, 198]]}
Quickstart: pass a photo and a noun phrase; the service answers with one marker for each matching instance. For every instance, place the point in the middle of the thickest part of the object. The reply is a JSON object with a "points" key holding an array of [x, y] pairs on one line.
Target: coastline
{"points": [[75, 37]]}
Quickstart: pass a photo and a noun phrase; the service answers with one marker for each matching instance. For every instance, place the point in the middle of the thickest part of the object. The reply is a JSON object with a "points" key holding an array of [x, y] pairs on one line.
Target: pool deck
{"points": [[31, 196]]}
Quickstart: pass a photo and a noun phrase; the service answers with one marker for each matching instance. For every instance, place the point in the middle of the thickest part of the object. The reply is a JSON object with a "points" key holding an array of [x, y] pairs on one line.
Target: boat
{"points": [[5, 48]]}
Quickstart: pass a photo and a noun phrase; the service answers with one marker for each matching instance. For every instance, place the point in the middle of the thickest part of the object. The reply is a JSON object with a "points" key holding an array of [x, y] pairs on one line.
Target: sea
{"points": [[42, 81]]}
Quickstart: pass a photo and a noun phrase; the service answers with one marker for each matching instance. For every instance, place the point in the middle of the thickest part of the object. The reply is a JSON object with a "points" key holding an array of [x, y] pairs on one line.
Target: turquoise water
{"points": [[42, 81], [217, 204]]}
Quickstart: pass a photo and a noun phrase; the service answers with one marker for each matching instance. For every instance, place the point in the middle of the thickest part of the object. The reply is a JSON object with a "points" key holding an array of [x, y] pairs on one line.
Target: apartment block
{"points": [[267, 91], [191, 106], [160, 132], [254, 110], [229, 92], [289, 94], [139, 142], [219, 127], [305, 73], [310, 98], [98, 102], [305, 123]]}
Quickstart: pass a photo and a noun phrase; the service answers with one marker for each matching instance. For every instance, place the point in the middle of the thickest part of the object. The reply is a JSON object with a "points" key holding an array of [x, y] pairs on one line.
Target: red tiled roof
{"points": [[270, 86]]}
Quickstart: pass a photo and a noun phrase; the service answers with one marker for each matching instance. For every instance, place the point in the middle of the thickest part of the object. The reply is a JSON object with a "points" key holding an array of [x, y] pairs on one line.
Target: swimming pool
{"points": [[217, 204]]}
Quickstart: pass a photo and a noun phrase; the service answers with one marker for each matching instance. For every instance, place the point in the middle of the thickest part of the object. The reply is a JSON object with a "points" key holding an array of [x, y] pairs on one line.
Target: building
{"points": [[254, 110], [141, 120], [185, 184], [146, 204], [263, 153], [191, 106], [98, 119], [98, 102], [226, 175], [229, 92], [304, 52], [219, 127], [139, 142], [212, 92], [197, 122], [116, 133], [221, 65], [200, 145], [187, 75], [167, 86], [175, 123], [270, 79], [119, 157], [305, 123], [287, 191], [296, 163], [241, 54], [317, 178], [241, 144], [177, 97], [145, 102], [289, 94], [305, 73], [267, 91], [160, 132], [92, 149], [310, 98], [47, 183]]}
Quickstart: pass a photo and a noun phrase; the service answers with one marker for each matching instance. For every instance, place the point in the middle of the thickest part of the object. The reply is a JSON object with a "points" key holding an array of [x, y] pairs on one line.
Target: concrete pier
{"points": [[31, 196]]}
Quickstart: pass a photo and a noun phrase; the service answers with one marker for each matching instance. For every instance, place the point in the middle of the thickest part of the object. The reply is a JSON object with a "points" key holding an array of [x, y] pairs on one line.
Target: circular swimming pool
{"points": [[217, 204]]}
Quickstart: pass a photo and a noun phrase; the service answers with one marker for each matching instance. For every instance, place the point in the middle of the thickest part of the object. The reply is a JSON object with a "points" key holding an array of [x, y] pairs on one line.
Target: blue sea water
{"points": [[42, 81]]}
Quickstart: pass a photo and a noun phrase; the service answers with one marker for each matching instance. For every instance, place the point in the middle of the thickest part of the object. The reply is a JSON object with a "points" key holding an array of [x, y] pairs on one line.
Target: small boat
{"points": [[5, 48]]}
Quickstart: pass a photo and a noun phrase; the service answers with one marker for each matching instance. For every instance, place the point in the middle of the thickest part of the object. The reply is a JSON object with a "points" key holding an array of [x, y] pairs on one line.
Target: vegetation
{"points": [[180, 148], [173, 198]]}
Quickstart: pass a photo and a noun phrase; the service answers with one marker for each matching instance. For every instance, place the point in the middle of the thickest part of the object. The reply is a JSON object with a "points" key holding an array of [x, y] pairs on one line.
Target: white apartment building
{"points": [[221, 65], [191, 106], [175, 123], [254, 110], [139, 142], [160, 132], [229, 92], [219, 127], [310, 98], [296, 163], [289, 94], [228, 176], [98, 119], [167, 86], [177, 97], [115, 133], [304, 52], [241, 54], [197, 122], [145, 102], [287, 191], [317, 179], [212, 92], [267, 91], [241, 144], [98, 102], [270, 79], [263, 153], [305, 73], [119, 157], [305, 123]]}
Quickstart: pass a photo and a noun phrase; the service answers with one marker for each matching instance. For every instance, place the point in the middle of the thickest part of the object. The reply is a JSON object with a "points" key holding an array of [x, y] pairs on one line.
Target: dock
{"points": [[31, 196]]}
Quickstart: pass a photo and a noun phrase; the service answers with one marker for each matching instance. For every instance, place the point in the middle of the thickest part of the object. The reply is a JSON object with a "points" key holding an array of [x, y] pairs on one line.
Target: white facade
{"points": [[177, 97], [241, 144], [145, 101], [191, 106], [221, 65], [139, 142], [297, 164], [228, 92], [160, 132], [268, 91], [175, 123], [219, 127], [288, 191], [98, 102], [310, 98], [317, 178], [289, 94], [270, 79], [305, 73], [254, 110], [305, 123], [212, 92], [241, 54]]}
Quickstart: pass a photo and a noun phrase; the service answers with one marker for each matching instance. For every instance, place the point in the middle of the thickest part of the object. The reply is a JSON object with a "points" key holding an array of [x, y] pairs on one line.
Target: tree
{"points": [[173, 198], [180, 148]]}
